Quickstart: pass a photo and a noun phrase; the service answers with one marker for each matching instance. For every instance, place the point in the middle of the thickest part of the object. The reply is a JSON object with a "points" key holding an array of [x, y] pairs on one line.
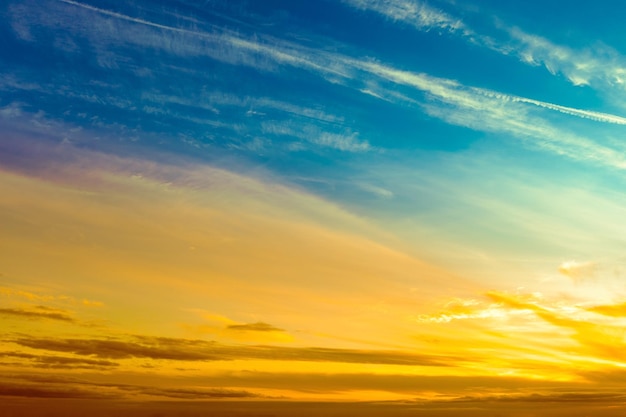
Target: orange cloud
{"points": [[611, 310]]}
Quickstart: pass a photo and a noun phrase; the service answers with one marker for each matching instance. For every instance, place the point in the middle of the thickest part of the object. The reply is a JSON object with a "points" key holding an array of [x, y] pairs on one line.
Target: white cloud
{"points": [[487, 110], [349, 142], [374, 189], [344, 141], [415, 13], [445, 99], [577, 270], [600, 66]]}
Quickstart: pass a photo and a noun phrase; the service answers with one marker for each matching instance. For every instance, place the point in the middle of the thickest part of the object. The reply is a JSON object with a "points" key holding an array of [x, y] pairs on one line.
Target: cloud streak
{"points": [[39, 312], [61, 362], [415, 13], [599, 66], [199, 350], [475, 108], [254, 327], [33, 386]]}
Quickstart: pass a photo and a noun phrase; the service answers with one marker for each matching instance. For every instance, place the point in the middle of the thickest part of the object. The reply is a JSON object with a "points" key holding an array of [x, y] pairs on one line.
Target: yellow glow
{"points": [[173, 280]]}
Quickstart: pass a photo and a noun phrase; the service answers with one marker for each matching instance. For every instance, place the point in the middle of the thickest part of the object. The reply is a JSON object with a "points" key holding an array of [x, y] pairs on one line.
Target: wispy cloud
{"points": [[598, 340], [40, 386], [41, 297], [600, 66], [254, 327], [611, 310], [59, 362], [415, 13], [578, 270], [455, 103], [38, 391], [466, 309], [38, 312], [488, 111], [345, 140], [585, 114]]}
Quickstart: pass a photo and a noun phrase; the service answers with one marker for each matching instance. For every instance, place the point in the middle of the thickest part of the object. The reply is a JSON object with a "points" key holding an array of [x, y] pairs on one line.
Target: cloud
{"points": [[578, 270], [38, 391], [159, 348], [611, 310], [60, 362], [490, 111], [412, 12], [32, 296], [600, 65], [39, 312], [345, 140], [374, 189], [199, 350], [416, 384], [224, 46], [40, 386], [584, 114], [11, 292], [553, 397], [448, 100], [197, 394], [254, 327], [466, 309], [598, 340], [217, 99]]}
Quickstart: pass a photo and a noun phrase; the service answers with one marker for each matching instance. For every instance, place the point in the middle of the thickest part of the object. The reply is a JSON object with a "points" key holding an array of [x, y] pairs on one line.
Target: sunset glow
{"points": [[341, 208]]}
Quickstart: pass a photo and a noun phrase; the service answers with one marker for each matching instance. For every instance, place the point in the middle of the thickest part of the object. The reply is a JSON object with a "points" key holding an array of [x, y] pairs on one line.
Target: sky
{"points": [[338, 207]]}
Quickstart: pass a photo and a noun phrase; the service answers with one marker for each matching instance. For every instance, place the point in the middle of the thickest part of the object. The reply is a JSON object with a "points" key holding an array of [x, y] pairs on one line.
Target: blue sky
{"points": [[481, 137]]}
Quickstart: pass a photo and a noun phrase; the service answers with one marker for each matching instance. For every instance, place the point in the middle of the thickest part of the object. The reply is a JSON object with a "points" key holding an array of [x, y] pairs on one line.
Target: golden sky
{"points": [[128, 282], [239, 208]]}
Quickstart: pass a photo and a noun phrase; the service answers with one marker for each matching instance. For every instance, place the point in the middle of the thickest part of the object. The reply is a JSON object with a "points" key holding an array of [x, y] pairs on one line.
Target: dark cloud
{"points": [[61, 362], [46, 391], [196, 394], [397, 383], [158, 348], [200, 350], [191, 401], [256, 327], [40, 312], [552, 397], [44, 386], [257, 408]]}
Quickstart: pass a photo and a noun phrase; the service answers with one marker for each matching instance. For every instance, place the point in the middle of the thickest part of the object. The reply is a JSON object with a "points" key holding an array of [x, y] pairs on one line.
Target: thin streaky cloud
{"points": [[502, 118], [585, 114], [484, 110], [40, 313], [254, 327], [415, 13], [285, 53], [599, 66], [349, 68], [60, 362], [201, 350]]}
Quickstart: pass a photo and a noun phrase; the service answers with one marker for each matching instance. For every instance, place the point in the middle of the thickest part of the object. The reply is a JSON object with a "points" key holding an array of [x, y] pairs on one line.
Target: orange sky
{"points": [[240, 208], [129, 283]]}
